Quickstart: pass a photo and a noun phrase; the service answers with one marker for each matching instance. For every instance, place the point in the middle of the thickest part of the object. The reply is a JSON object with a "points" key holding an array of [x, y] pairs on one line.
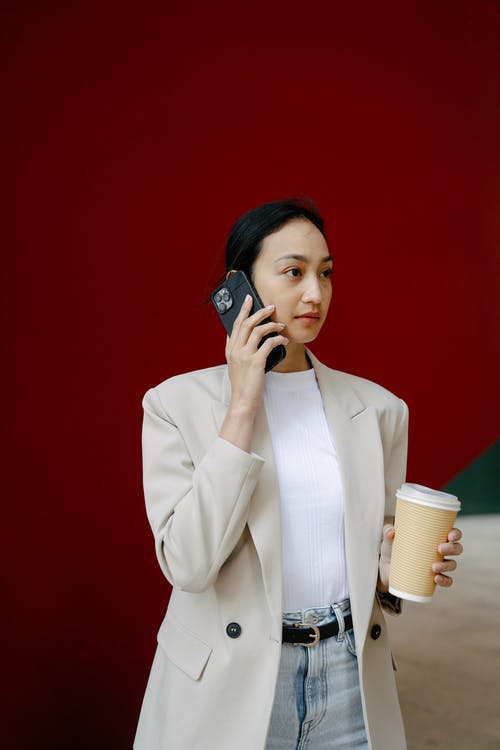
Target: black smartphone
{"points": [[228, 299]]}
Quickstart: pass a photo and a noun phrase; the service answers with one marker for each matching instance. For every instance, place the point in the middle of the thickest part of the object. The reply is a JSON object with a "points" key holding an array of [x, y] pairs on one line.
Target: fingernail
{"points": [[248, 297], [269, 307]]}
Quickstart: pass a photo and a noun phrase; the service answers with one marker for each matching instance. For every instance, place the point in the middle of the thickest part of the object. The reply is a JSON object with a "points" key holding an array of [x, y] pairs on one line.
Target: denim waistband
{"points": [[320, 615]]}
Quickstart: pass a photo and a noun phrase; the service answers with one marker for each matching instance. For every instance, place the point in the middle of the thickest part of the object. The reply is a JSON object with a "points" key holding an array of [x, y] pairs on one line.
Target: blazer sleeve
{"points": [[197, 512], [395, 456]]}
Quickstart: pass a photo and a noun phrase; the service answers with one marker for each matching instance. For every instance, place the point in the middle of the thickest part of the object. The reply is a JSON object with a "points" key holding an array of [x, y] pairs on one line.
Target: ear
{"points": [[230, 273]]}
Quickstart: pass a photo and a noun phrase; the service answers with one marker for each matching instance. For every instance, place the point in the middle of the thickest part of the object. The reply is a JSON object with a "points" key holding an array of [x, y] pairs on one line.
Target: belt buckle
{"points": [[315, 635]]}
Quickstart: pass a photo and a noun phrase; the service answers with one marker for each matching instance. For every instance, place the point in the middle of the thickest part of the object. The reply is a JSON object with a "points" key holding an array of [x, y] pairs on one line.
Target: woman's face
{"points": [[293, 272]]}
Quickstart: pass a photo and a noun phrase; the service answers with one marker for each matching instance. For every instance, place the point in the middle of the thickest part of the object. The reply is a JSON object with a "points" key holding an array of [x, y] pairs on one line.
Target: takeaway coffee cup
{"points": [[424, 517]]}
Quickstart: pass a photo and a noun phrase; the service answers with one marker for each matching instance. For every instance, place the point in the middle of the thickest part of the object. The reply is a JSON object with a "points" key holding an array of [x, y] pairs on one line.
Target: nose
{"points": [[312, 291]]}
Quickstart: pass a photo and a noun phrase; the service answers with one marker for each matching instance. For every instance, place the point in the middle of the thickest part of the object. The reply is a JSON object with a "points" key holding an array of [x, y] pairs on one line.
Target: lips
{"points": [[309, 316]]}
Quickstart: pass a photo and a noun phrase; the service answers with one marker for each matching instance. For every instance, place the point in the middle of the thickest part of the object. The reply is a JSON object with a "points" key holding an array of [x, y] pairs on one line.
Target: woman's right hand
{"points": [[246, 363]]}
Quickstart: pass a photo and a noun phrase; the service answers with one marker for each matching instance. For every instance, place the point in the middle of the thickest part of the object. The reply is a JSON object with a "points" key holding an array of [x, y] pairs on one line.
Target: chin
{"points": [[302, 340]]}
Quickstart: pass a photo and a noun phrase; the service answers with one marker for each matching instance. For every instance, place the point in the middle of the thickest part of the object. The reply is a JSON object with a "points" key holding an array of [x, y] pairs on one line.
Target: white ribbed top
{"points": [[312, 508]]}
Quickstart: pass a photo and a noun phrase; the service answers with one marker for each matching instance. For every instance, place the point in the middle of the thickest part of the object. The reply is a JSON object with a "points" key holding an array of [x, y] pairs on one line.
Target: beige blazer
{"points": [[215, 514]]}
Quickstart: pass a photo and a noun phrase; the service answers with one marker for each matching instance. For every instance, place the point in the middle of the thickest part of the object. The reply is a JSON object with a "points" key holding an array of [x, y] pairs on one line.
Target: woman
{"points": [[267, 495]]}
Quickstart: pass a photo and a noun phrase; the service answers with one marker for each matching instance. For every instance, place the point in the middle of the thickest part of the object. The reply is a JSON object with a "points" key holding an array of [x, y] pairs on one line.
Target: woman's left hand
{"points": [[450, 548]]}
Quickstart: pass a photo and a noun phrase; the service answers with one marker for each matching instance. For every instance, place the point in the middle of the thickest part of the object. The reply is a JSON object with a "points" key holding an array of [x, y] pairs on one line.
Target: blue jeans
{"points": [[317, 704]]}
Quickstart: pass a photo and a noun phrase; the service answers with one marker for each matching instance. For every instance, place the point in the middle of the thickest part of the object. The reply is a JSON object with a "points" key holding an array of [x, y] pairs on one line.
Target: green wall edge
{"points": [[478, 485]]}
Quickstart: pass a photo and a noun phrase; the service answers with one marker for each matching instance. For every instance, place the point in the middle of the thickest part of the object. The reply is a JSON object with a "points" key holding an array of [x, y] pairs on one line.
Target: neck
{"points": [[295, 361]]}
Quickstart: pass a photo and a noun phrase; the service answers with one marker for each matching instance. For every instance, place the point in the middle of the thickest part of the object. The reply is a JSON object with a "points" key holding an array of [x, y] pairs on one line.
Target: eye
{"points": [[327, 273], [295, 272]]}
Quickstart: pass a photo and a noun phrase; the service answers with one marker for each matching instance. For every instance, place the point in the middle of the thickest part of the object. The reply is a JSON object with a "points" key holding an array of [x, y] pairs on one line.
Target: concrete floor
{"points": [[448, 651]]}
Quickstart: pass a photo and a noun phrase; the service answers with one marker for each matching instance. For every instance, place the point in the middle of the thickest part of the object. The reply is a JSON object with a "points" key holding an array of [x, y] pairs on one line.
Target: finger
{"points": [[445, 581], [246, 324], [450, 548], [387, 539], [388, 533], [243, 313], [444, 567], [269, 345], [240, 318], [257, 317], [455, 535], [259, 332]]}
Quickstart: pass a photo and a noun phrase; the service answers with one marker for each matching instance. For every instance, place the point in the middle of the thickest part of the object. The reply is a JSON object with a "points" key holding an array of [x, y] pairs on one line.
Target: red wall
{"points": [[133, 136]]}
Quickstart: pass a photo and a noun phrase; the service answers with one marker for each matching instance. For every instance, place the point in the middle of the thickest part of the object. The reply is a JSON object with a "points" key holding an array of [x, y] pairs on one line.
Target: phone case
{"points": [[228, 299]]}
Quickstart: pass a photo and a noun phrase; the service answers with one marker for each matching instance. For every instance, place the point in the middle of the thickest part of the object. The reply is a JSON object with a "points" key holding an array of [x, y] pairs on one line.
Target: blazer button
{"points": [[233, 630], [375, 632]]}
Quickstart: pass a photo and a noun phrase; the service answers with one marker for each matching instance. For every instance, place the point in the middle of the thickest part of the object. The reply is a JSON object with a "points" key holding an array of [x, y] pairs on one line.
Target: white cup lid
{"points": [[417, 493]]}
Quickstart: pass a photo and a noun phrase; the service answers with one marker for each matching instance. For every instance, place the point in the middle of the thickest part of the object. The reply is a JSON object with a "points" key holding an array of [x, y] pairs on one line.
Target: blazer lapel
{"points": [[264, 516], [356, 437]]}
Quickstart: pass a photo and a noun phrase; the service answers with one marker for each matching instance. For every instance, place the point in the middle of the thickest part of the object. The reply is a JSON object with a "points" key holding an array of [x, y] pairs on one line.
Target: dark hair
{"points": [[245, 238]]}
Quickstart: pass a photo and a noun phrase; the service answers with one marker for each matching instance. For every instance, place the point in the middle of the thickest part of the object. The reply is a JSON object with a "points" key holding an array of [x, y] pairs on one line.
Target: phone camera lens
{"points": [[223, 300]]}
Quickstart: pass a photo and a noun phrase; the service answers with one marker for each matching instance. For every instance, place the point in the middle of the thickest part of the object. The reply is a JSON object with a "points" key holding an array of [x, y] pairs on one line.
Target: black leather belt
{"points": [[301, 634]]}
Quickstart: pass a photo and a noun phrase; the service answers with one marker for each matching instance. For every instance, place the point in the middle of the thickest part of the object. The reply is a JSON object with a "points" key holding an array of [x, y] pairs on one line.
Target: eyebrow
{"points": [[294, 256]]}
